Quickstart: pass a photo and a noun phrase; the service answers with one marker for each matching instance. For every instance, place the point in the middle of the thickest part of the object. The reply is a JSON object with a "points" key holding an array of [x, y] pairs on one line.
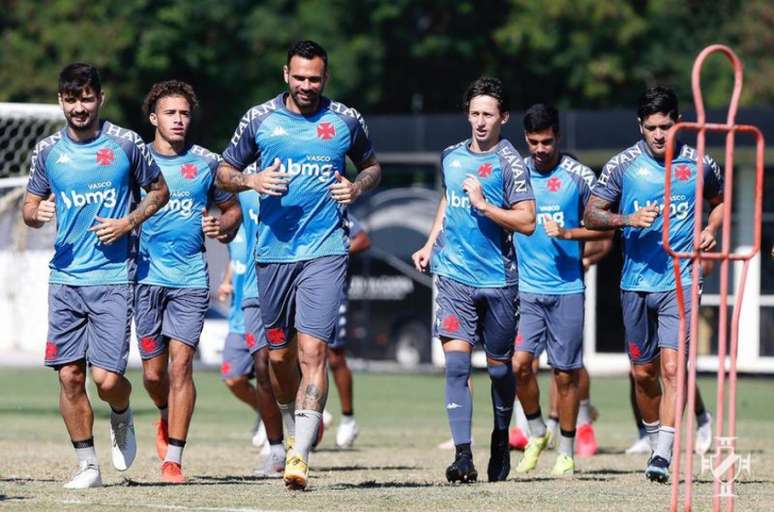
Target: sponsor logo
{"points": [[64, 159], [326, 131], [322, 172], [678, 207], [188, 171], [485, 170], [276, 336], [238, 267], [105, 156], [457, 201], [554, 184], [278, 132], [451, 323], [557, 217], [516, 164], [453, 405], [99, 194]]}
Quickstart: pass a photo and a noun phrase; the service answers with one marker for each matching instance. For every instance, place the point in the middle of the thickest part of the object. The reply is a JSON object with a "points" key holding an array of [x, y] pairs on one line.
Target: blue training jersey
{"points": [[305, 222], [172, 241], [633, 179], [471, 248], [547, 265], [100, 177], [238, 260], [250, 202]]}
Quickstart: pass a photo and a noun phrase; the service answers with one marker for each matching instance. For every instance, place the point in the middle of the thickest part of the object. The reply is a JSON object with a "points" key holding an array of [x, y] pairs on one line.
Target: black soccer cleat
{"points": [[499, 457], [657, 470], [462, 469]]}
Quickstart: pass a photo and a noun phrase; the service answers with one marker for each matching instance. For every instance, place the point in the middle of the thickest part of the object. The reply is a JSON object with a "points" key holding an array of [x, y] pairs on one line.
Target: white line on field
{"points": [[170, 507]]}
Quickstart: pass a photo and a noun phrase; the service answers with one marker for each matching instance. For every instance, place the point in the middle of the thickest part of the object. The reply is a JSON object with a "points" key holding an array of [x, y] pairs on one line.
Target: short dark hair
{"points": [[168, 88], [308, 50], [541, 117], [658, 100], [76, 77], [487, 86]]}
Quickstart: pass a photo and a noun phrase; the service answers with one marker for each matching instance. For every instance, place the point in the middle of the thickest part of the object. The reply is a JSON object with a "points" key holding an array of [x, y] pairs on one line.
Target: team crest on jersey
{"points": [[634, 350], [249, 340], [326, 131], [276, 336], [682, 172], [485, 170], [554, 184], [188, 171], [451, 323], [105, 156], [148, 344], [225, 368], [519, 341], [51, 351]]}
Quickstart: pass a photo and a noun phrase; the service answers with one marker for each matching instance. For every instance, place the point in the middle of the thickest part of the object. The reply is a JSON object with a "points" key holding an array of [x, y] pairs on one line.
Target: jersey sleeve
{"points": [[516, 183], [216, 194], [713, 178], [243, 148], [145, 170], [587, 184], [360, 148], [38, 183], [608, 186]]}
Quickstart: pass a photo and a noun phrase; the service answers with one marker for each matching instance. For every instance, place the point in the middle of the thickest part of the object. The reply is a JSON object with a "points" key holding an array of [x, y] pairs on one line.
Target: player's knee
{"points": [[313, 355], [72, 380], [457, 366], [499, 371], [281, 358], [565, 380], [523, 369], [153, 377], [107, 384], [336, 359], [644, 373], [669, 371], [235, 383]]}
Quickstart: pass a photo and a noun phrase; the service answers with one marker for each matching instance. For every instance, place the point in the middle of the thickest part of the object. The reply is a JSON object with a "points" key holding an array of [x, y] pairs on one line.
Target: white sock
{"points": [[174, 454], [87, 454], [652, 430], [567, 444], [520, 417], [307, 424], [288, 412], [584, 414], [537, 427], [666, 437]]}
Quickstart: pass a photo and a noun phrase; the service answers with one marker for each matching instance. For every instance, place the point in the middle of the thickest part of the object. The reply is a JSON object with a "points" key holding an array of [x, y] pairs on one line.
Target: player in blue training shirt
{"points": [[172, 292], [487, 197], [88, 176], [301, 140], [551, 289], [632, 183]]}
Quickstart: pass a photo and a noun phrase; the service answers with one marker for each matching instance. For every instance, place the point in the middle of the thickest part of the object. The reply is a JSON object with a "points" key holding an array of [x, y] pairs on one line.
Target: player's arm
{"points": [[594, 251], [582, 234], [359, 243], [520, 217], [223, 228], [598, 216], [707, 237], [368, 177], [36, 210], [270, 181], [226, 287], [421, 258]]}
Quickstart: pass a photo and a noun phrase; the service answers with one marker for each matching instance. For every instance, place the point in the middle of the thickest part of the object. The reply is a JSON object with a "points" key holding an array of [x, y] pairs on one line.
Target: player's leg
{"points": [[237, 369], [552, 423], [342, 375], [642, 444], [274, 463], [703, 425]]}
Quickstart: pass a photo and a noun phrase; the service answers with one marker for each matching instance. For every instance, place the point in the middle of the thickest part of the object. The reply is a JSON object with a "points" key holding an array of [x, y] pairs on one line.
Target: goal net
{"points": [[24, 252]]}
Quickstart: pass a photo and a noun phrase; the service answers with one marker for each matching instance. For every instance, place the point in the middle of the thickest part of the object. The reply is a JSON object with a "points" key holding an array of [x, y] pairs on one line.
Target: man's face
{"points": [[543, 146], [654, 130], [81, 110], [485, 119], [306, 80], [172, 117]]}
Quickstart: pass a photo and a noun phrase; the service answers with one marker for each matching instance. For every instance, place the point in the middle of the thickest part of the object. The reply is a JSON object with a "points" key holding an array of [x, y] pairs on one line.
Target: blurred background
{"points": [[404, 65]]}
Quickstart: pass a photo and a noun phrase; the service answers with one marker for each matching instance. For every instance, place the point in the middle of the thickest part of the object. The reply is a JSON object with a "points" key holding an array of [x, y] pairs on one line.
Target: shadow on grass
{"points": [[604, 471], [373, 484], [198, 480], [12, 480], [5, 497], [365, 468]]}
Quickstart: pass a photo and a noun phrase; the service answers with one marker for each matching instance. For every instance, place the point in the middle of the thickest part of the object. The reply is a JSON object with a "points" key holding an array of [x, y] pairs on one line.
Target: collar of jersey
{"points": [[646, 151], [485, 154], [533, 170], [168, 157], [66, 135], [321, 108]]}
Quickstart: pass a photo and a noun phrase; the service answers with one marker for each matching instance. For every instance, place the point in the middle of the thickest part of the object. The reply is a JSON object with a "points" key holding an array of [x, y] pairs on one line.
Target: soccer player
{"points": [[629, 196], [337, 357], [87, 175], [301, 140], [172, 292], [487, 197], [551, 287]]}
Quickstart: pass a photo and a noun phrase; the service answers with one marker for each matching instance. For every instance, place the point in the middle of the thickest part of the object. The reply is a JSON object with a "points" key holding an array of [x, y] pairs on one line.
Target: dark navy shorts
{"points": [[652, 322], [91, 323], [471, 314], [255, 335], [340, 340], [553, 323], [164, 314], [301, 296], [237, 360]]}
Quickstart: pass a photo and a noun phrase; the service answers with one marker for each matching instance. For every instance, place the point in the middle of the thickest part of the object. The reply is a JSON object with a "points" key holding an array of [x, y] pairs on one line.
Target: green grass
{"points": [[395, 465]]}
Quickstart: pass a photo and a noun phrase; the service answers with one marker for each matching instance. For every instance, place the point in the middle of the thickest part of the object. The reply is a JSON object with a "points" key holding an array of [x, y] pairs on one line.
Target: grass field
{"points": [[395, 465]]}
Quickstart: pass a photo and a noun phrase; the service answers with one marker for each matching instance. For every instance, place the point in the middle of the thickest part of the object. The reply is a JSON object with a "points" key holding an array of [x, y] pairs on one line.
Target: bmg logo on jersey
{"points": [[679, 207], [181, 202], [457, 201], [317, 166], [550, 212], [99, 194]]}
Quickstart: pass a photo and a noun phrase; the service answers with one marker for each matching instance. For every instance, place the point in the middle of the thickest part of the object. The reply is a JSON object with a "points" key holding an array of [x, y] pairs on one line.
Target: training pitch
{"points": [[395, 465]]}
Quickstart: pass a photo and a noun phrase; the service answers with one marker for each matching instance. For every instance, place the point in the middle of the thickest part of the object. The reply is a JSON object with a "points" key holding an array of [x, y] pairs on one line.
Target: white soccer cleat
{"points": [[704, 436], [123, 441], [641, 445], [347, 432], [87, 476], [273, 464], [327, 419], [259, 434]]}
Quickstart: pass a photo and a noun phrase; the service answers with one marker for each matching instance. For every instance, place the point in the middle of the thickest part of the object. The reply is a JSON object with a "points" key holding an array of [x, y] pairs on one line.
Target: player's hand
{"points": [[224, 291], [344, 191], [472, 187], [707, 239], [643, 218], [46, 211], [421, 258], [270, 181], [553, 229], [110, 230], [211, 226]]}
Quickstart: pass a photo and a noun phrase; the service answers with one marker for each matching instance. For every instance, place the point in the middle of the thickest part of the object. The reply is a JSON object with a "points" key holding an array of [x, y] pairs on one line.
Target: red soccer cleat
{"points": [[172, 473], [516, 439], [162, 439], [586, 441]]}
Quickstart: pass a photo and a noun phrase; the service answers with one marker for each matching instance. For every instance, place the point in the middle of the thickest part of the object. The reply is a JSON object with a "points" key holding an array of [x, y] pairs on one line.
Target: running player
{"points": [[301, 140], [551, 286], [337, 357], [487, 197], [87, 175], [172, 293], [632, 183]]}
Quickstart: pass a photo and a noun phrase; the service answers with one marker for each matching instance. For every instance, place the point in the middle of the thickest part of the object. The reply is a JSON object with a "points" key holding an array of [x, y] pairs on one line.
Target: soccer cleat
{"points": [[564, 465], [553, 434], [516, 439], [87, 476], [499, 457], [641, 445], [172, 473], [532, 452], [123, 441], [657, 470], [586, 442], [462, 469], [296, 473], [704, 436], [259, 433], [327, 418], [162, 439], [347, 432], [273, 464]]}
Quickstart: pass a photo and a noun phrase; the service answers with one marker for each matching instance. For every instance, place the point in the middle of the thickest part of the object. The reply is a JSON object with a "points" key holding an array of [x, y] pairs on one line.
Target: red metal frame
{"points": [[725, 256]]}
